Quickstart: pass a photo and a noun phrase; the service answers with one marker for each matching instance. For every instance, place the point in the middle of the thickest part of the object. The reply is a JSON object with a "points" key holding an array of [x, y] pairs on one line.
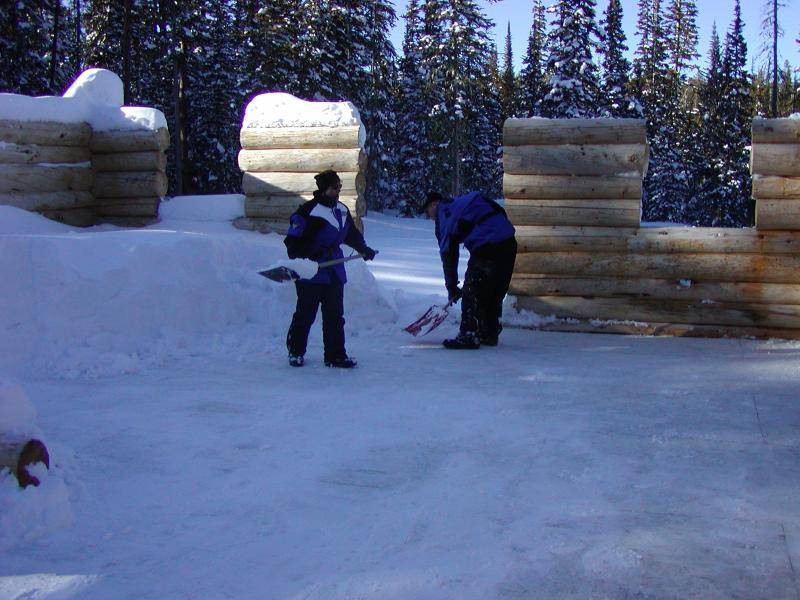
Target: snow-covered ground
{"points": [[190, 461]]}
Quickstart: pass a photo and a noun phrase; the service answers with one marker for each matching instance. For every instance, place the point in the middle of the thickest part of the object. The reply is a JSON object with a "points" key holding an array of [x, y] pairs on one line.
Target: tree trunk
{"points": [[774, 96], [180, 128], [126, 52], [78, 40], [54, 47]]}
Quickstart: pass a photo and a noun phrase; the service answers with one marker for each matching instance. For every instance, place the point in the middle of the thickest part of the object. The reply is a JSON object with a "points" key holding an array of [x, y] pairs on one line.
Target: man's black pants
{"points": [[309, 297], [486, 283]]}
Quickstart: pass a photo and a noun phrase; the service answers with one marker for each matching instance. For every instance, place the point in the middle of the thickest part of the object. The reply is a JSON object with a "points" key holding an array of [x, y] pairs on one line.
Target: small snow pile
{"points": [[211, 208], [16, 221], [17, 414], [26, 514], [97, 86], [284, 110], [515, 317], [107, 302], [94, 98]]}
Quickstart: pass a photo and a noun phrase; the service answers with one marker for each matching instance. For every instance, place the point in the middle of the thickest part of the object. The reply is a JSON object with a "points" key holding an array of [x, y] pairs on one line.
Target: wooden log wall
{"points": [[69, 173], [45, 166], [775, 165], [596, 270], [279, 165], [574, 172], [130, 174]]}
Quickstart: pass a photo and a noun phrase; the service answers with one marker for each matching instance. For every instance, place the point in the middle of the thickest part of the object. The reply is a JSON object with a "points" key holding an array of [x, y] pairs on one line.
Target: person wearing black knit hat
{"points": [[316, 230]]}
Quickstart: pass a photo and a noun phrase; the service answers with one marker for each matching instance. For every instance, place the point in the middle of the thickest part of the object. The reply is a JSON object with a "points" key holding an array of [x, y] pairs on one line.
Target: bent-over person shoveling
{"points": [[484, 229], [316, 231]]}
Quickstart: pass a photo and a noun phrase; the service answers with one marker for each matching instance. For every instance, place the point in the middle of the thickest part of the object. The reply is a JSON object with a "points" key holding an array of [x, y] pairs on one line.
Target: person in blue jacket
{"points": [[482, 226], [316, 231]]}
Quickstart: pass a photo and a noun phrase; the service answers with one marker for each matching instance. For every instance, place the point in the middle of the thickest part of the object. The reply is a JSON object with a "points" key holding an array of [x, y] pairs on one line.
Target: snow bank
{"points": [[102, 302], [223, 207], [284, 110], [29, 513], [95, 98]]}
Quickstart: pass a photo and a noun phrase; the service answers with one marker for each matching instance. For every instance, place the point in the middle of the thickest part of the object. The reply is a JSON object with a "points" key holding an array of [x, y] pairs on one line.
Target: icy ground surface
{"points": [[553, 466]]}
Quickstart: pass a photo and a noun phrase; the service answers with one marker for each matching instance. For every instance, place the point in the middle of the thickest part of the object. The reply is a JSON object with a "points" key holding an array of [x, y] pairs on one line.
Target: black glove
{"points": [[368, 253], [454, 294]]}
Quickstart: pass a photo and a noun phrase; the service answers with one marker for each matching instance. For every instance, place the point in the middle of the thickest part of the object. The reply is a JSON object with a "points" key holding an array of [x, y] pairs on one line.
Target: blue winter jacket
{"points": [[472, 220], [316, 231]]}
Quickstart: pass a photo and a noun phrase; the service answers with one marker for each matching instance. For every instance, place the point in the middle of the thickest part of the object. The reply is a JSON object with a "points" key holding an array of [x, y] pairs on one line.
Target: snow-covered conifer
{"points": [[616, 68], [574, 84], [508, 89], [532, 81]]}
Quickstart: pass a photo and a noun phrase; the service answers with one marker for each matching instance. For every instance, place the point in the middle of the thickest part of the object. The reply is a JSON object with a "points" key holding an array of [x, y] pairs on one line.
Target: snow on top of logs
{"points": [[279, 109], [94, 98]]}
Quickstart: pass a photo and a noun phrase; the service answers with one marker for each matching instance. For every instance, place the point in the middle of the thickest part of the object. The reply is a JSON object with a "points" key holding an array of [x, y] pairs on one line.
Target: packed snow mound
{"points": [[17, 221], [106, 302], [95, 98], [213, 208], [279, 109], [17, 414], [97, 86], [29, 513]]}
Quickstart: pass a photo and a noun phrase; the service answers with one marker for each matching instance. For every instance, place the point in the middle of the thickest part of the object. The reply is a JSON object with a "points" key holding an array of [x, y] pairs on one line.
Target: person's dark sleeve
{"points": [[297, 237], [450, 266]]}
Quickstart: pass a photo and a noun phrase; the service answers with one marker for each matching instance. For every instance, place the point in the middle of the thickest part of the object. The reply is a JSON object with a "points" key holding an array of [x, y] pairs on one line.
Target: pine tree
{"points": [[25, 27], [710, 140], [464, 122], [667, 183], [680, 29], [414, 153], [772, 32], [376, 107], [616, 67], [532, 80], [509, 97], [574, 86], [737, 209], [213, 104]]}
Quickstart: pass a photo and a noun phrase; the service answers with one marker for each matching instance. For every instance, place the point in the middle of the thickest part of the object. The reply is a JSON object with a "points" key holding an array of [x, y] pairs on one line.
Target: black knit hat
{"points": [[432, 197], [326, 179]]}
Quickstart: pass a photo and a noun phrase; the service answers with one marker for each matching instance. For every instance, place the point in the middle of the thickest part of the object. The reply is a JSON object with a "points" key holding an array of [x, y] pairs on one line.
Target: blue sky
{"points": [[518, 13]]}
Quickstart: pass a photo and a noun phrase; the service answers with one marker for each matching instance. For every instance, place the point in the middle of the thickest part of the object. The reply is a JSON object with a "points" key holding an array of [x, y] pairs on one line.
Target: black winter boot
{"points": [[296, 360], [463, 341], [341, 362]]}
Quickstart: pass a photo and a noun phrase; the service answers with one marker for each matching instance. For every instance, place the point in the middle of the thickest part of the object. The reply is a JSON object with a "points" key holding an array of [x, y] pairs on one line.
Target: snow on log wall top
{"points": [[83, 157], [573, 189], [279, 109], [95, 98], [285, 142]]}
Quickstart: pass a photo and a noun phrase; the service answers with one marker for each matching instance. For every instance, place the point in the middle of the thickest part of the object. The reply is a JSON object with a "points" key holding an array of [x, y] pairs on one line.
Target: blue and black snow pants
{"points": [[309, 297]]}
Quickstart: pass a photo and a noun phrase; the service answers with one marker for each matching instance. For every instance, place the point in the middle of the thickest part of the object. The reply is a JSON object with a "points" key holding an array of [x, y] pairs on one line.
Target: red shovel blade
{"points": [[429, 321]]}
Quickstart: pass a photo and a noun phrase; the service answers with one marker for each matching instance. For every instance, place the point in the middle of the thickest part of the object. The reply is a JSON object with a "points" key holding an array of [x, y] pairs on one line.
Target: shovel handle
{"points": [[338, 261]]}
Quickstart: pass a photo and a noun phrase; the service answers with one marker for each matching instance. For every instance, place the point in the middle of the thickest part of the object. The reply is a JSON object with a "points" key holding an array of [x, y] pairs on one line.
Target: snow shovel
{"points": [[432, 318], [282, 274]]}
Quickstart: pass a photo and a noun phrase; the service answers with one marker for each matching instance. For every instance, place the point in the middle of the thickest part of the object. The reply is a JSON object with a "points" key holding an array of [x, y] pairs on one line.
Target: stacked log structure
{"points": [[775, 165], [279, 164], [130, 174], [574, 171], [615, 276], [46, 166]]}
